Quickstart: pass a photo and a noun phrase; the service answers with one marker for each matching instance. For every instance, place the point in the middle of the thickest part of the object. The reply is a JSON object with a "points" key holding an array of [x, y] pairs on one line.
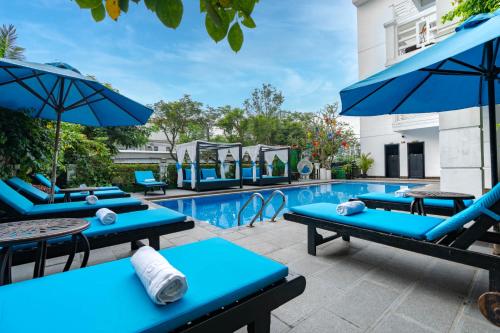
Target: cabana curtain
{"points": [[190, 149], [222, 154], [235, 151], [269, 157], [253, 152], [283, 156]]}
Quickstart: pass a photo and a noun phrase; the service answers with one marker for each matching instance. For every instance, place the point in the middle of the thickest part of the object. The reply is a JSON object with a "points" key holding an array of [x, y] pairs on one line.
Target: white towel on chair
{"points": [[149, 180], [402, 193], [350, 207], [163, 282], [106, 216], [91, 199]]}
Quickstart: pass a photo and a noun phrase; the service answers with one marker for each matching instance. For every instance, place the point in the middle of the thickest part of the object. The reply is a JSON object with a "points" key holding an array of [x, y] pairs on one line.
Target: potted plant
{"points": [[365, 162]]}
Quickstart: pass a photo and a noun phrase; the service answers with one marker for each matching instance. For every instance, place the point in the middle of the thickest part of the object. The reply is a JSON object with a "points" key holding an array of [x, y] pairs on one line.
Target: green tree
{"points": [[175, 118], [209, 119], [223, 18], [234, 124], [265, 101], [463, 9], [26, 144], [8, 47]]}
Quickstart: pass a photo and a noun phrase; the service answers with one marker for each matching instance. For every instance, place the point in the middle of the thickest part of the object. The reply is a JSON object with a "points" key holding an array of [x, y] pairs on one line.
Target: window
{"points": [[425, 3]]}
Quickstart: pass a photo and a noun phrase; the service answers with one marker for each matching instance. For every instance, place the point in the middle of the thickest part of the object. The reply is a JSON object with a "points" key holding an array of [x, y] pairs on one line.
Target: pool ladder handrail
{"points": [[259, 213], [283, 203], [264, 205]]}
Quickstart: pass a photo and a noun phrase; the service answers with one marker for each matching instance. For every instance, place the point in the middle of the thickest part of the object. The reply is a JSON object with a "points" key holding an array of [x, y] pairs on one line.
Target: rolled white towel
{"points": [[210, 178], [163, 282], [91, 199], [106, 216], [149, 180], [350, 207], [402, 193]]}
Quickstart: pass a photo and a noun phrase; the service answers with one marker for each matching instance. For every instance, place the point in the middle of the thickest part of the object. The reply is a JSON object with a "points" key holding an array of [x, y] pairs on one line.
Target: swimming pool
{"points": [[221, 210]]}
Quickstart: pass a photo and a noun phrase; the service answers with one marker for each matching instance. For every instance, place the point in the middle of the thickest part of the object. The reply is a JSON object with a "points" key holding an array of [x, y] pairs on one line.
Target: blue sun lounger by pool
{"points": [[131, 227], [444, 238], [147, 180], [46, 182], [39, 196], [18, 207], [389, 201], [228, 287]]}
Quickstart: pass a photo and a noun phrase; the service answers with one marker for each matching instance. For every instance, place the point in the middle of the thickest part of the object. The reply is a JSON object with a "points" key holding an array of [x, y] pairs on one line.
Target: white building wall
{"points": [[374, 40]]}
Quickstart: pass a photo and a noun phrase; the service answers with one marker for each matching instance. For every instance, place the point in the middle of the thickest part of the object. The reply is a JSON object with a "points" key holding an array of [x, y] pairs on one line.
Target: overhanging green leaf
{"points": [[217, 33], [98, 13], [246, 6], [123, 5], [88, 4], [170, 12], [150, 4], [248, 22], [235, 37]]}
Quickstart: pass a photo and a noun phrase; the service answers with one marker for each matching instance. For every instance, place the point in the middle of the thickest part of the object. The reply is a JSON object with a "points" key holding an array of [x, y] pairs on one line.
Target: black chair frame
{"points": [[452, 247]]}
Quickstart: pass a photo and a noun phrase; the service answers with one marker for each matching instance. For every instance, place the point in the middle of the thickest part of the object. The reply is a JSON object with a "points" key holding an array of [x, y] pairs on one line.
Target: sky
{"points": [[306, 49]]}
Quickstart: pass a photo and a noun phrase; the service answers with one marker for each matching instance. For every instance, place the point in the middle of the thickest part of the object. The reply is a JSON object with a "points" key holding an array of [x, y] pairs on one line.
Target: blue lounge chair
{"points": [[39, 196], [229, 287], [38, 177], [147, 180], [130, 227], [447, 239], [389, 201], [17, 207]]}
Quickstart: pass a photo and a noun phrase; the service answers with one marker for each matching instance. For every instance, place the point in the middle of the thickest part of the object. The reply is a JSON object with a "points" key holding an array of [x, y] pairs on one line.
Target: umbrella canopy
{"points": [[459, 72], [59, 92]]}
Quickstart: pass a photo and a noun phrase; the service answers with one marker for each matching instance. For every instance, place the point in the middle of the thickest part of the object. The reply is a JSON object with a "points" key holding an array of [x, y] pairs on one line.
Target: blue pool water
{"points": [[222, 210]]}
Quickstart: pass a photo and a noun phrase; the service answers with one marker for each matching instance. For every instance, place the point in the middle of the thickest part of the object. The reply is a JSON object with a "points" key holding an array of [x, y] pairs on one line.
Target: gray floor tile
{"points": [[363, 304], [398, 324], [287, 255], [308, 266], [343, 274], [455, 277], [323, 321], [434, 306], [317, 294], [472, 325]]}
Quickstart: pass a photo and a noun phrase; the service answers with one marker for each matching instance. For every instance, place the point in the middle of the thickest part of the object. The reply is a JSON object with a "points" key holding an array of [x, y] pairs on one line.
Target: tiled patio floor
{"points": [[351, 287]]}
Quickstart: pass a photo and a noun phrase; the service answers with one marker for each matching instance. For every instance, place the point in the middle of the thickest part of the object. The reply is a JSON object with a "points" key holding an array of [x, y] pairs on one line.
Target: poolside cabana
{"points": [[201, 179], [264, 155]]}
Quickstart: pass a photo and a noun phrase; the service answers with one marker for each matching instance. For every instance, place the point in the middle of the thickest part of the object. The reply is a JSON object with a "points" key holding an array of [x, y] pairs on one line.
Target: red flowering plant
{"points": [[329, 135]]}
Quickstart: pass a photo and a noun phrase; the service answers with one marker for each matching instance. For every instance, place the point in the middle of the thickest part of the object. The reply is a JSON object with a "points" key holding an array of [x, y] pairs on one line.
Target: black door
{"points": [[416, 160], [392, 161]]}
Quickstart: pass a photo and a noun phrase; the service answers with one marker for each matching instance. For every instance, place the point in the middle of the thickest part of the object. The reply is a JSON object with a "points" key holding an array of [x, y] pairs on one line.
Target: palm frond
{"points": [[8, 47]]}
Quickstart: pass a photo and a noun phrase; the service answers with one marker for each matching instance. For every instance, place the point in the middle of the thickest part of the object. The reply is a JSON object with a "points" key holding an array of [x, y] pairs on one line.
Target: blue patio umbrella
{"points": [[60, 92], [459, 72]]}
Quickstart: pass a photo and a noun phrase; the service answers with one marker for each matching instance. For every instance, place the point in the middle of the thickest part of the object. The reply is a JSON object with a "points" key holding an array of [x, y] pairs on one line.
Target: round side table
{"points": [[417, 206]]}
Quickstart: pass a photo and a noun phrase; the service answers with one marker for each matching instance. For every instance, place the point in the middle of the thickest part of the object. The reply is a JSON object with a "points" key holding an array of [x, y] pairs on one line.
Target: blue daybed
{"points": [[208, 181], [39, 196], [229, 287], [14, 206]]}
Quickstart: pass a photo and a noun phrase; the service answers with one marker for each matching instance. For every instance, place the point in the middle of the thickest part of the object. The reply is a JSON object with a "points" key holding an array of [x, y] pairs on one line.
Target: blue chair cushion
{"points": [[457, 221], [141, 176], [248, 173], [112, 298], [390, 197], [402, 224], [205, 173], [11, 198], [81, 205], [187, 173], [24, 187], [125, 222], [101, 194], [45, 181], [29, 189]]}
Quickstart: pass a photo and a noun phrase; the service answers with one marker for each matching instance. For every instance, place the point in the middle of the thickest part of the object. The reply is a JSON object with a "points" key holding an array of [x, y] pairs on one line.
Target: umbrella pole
{"points": [[491, 76], [54, 161]]}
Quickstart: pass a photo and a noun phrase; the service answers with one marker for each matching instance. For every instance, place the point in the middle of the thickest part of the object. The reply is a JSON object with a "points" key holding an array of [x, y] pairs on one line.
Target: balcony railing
{"points": [[407, 122], [417, 33]]}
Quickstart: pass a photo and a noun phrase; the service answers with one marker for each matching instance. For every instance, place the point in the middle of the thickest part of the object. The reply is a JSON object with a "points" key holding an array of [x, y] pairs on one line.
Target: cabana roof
{"points": [[208, 145], [264, 148]]}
